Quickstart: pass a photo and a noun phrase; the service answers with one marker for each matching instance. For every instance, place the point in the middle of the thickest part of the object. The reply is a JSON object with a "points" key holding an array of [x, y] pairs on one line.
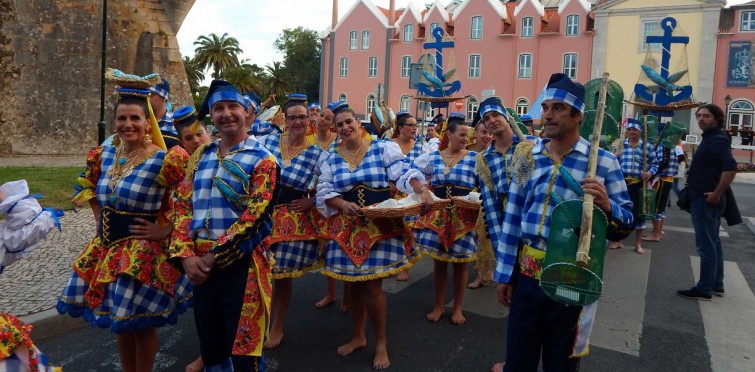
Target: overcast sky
{"points": [[257, 23]]}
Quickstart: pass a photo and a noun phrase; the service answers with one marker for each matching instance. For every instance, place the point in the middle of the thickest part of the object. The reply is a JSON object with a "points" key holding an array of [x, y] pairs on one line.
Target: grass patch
{"points": [[55, 184]]}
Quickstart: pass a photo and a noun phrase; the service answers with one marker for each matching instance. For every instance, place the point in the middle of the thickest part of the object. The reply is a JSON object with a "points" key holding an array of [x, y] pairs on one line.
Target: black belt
{"points": [[363, 195], [448, 190], [285, 195], [114, 224]]}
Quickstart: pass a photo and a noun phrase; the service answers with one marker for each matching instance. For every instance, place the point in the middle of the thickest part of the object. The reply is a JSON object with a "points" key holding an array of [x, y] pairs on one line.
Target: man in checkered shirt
{"points": [[539, 327]]}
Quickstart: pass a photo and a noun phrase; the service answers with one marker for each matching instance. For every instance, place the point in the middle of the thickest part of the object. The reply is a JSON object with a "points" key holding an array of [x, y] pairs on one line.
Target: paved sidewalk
{"points": [[33, 285]]}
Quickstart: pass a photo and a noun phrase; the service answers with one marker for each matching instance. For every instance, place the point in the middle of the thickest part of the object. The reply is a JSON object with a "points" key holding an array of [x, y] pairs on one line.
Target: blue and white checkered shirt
{"points": [[299, 175], [493, 199], [631, 159], [525, 204], [432, 166], [666, 164], [139, 190], [382, 162], [213, 213], [166, 124]]}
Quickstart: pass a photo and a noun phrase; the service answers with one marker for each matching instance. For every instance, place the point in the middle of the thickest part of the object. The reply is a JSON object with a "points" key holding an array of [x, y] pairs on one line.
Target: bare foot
{"points": [[639, 250], [195, 366], [614, 245], [498, 367], [327, 300], [349, 348], [403, 276], [273, 340], [652, 238], [381, 358], [477, 283], [458, 318], [435, 315], [345, 306]]}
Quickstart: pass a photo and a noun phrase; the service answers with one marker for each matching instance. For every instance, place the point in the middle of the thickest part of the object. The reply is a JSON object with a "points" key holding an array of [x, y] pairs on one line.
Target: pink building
{"points": [[734, 81], [510, 47]]}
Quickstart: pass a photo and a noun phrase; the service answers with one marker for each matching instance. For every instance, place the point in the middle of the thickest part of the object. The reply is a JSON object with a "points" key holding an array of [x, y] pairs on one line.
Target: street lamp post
{"points": [[101, 125], [727, 102]]}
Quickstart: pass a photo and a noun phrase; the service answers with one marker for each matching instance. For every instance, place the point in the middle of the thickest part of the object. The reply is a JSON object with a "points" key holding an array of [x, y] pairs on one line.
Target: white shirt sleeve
{"points": [[394, 160], [419, 170], [25, 225], [325, 188]]}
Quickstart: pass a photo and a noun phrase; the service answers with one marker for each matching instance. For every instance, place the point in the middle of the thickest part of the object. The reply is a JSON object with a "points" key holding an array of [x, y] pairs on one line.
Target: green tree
{"points": [[246, 77], [218, 53], [194, 73], [277, 82], [301, 58]]}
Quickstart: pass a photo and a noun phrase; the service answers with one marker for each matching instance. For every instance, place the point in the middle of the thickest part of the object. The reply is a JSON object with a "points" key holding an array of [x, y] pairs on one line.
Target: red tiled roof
{"points": [[387, 13], [509, 26], [551, 22]]}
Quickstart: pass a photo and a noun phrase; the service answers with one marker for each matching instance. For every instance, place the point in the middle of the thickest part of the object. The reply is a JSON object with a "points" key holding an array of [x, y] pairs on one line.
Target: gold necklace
{"points": [[327, 141], [122, 168], [353, 161], [450, 164], [291, 150]]}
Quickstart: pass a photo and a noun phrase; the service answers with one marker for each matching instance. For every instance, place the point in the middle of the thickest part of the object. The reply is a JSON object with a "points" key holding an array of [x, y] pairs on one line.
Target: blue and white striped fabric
{"points": [[492, 200], [525, 204], [294, 258], [260, 129], [213, 213], [128, 306], [631, 159], [139, 191], [432, 165], [383, 162], [666, 163], [565, 97], [385, 256], [166, 124], [300, 173]]}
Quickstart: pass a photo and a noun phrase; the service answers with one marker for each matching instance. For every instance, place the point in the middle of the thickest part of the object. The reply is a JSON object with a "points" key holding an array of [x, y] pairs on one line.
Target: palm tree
{"points": [[245, 77], [277, 81], [219, 53], [194, 73]]}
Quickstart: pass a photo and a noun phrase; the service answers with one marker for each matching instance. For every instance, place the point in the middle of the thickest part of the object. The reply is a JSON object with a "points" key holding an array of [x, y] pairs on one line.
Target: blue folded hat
{"points": [[254, 100], [492, 104], [221, 90], [634, 124], [562, 88], [162, 89]]}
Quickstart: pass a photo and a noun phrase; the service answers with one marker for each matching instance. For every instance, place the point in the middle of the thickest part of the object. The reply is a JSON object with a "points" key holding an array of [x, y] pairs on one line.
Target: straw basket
{"points": [[124, 80], [401, 212], [463, 202]]}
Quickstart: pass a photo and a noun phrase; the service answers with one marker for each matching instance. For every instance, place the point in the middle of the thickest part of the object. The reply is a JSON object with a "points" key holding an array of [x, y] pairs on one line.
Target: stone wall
{"points": [[50, 58]]}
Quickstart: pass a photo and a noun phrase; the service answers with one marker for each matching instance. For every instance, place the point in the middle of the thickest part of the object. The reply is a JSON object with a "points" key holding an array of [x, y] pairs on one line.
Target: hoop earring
{"points": [[147, 139], [116, 140]]}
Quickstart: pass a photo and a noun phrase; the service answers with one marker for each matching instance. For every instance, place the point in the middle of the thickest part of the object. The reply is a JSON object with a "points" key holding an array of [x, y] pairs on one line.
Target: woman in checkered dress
{"points": [[360, 250], [120, 281], [293, 241], [446, 235]]}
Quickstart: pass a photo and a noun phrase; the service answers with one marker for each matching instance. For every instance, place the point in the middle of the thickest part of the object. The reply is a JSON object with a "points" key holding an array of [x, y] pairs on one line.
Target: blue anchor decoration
{"points": [[666, 86], [438, 86]]}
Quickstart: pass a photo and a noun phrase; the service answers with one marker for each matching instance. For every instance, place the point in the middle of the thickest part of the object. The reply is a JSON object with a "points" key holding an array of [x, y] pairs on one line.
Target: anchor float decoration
{"points": [[665, 94], [439, 87]]}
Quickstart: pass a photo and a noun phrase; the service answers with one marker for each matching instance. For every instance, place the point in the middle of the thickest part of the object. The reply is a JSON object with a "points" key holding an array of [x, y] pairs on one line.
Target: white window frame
{"points": [[406, 66], [433, 26], [408, 33], [365, 39], [476, 28], [524, 72], [344, 67], [353, 40], [522, 106], [472, 106], [370, 104], [572, 25], [740, 111], [645, 31], [475, 70], [747, 21], [528, 27], [403, 104], [372, 67], [571, 69]]}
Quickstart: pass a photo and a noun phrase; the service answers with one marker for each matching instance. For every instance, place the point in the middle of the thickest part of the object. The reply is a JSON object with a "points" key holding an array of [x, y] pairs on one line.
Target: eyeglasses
{"points": [[300, 117], [410, 125]]}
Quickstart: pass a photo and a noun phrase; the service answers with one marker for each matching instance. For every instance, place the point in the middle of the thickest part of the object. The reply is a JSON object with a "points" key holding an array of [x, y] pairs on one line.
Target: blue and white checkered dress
{"points": [[432, 165], [525, 204], [127, 304], [631, 159], [666, 163], [382, 162], [294, 258]]}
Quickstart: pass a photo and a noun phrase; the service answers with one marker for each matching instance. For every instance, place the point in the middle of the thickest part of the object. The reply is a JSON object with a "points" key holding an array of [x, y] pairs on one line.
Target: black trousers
{"points": [[217, 309]]}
